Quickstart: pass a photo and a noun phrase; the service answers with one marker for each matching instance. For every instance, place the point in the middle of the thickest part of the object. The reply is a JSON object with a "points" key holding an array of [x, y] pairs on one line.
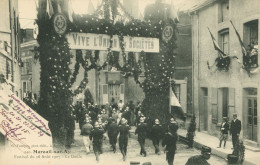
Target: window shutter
{"points": [[231, 102], [122, 92], [214, 105], [104, 93], [183, 97]]}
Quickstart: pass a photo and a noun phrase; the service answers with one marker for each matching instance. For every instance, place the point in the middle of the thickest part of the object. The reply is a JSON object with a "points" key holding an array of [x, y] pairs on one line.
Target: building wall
{"points": [[184, 61], [30, 71], [9, 48], [209, 85]]}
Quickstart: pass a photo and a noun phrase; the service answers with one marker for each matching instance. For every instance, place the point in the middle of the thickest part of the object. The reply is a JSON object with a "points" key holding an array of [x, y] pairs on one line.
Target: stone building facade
{"points": [[218, 94]]}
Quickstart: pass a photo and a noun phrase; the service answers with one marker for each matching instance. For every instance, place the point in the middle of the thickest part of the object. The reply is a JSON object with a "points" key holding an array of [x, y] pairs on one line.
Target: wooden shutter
{"points": [[183, 96], [231, 102], [104, 91], [214, 105], [122, 92]]}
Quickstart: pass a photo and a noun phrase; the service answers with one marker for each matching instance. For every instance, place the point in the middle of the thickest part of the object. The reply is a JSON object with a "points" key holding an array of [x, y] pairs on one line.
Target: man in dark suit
{"points": [[96, 136], [123, 137], [156, 133], [112, 132], [235, 129], [170, 140], [224, 128], [141, 130]]}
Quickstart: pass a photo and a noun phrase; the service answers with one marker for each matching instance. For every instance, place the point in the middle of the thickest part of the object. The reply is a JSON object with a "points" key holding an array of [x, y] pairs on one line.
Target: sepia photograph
{"points": [[129, 82]]}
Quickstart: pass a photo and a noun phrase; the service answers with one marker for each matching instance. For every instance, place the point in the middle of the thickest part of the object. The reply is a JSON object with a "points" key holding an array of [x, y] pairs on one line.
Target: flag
{"points": [[91, 8], [175, 106], [216, 46], [70, 11], [173, 13], [49, 8], [240, 40]]}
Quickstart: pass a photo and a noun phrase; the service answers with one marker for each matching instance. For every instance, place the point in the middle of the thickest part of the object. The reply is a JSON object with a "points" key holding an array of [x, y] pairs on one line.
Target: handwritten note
{"points": [[21, 125]]}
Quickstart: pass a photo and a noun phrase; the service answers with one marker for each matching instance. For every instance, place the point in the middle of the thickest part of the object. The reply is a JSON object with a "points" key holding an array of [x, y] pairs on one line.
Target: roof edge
{"points": [[203, 5]]}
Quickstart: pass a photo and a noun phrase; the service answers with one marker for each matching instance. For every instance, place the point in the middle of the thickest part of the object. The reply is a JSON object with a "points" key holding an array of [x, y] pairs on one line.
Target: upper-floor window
{"points": [[224, 11], [6, 46], [224, 41], [251, 41], [27, 66]]}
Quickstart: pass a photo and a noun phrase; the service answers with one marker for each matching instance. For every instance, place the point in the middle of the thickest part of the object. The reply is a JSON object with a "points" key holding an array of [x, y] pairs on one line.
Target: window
{"points": [[224, 41], [6, 46], [251, 41], [27, 66], [24, 87], [224, 11]]}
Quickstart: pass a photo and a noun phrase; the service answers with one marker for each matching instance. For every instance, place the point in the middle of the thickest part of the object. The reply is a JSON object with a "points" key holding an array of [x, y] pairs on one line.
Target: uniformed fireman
{"points": [[156, 132], [124, 134], [112, 132], [96, 136], [170, 140], [141, 130]]}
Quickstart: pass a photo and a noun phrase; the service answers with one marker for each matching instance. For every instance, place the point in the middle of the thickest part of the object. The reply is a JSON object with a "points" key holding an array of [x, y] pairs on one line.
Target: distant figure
{"points": [[96, 136], [127, 114], [224, 132], [120, 105], [174, 123], [141, 130], [114, 114], [191, 132], [156, 132], [235, 129], [170, 140], [123, 137], [119, 117], [200, 159], [137, 120], [112, 132], [85, 132]]}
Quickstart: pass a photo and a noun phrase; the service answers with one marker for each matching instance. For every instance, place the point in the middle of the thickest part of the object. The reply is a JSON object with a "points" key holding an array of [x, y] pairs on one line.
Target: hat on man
{"points": [[157, 121], [141, 119], [205, 150]]}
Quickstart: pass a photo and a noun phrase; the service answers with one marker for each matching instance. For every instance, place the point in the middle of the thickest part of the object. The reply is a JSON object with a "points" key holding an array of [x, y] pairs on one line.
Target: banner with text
{"points": [[102, 41]]}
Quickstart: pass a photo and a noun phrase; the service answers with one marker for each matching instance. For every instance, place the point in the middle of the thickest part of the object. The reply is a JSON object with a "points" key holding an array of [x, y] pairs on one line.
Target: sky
{"points": [[27, 8]]}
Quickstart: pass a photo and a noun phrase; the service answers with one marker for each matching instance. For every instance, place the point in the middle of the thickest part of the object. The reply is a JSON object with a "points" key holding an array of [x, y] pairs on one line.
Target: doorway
{"points": [[204, 109], [114, 92], [251, 110]]}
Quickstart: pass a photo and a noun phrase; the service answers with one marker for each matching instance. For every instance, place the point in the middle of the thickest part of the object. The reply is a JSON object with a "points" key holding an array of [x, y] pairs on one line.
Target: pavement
{"points": [[108, 157], [251, 157]]}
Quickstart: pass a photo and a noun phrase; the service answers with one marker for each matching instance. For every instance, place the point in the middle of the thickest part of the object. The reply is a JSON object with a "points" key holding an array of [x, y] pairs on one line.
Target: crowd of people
{"points": [[114, 121]]}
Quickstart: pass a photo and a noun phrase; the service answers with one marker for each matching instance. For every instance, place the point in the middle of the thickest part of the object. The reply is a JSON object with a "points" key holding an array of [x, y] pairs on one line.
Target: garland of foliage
{"points": [[250, 63], [223, 64], [55, 91]]}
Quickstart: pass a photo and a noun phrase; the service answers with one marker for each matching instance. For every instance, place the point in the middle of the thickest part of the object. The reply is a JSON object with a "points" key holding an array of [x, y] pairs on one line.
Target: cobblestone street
{"points": [[109, 157]]}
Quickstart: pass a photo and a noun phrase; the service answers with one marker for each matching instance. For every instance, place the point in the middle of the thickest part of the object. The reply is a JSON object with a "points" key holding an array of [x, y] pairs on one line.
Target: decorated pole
{"points": [[159, 68], [55, 96]]}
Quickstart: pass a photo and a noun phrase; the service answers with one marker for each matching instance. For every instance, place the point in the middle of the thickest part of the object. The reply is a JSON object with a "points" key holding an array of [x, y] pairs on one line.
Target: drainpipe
{"points": [[195, 17], [12, 45], [198, 51]]}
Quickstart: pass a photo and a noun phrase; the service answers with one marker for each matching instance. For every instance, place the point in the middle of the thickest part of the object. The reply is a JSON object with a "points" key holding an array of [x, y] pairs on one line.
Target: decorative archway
{"points": [[56, 23]]}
